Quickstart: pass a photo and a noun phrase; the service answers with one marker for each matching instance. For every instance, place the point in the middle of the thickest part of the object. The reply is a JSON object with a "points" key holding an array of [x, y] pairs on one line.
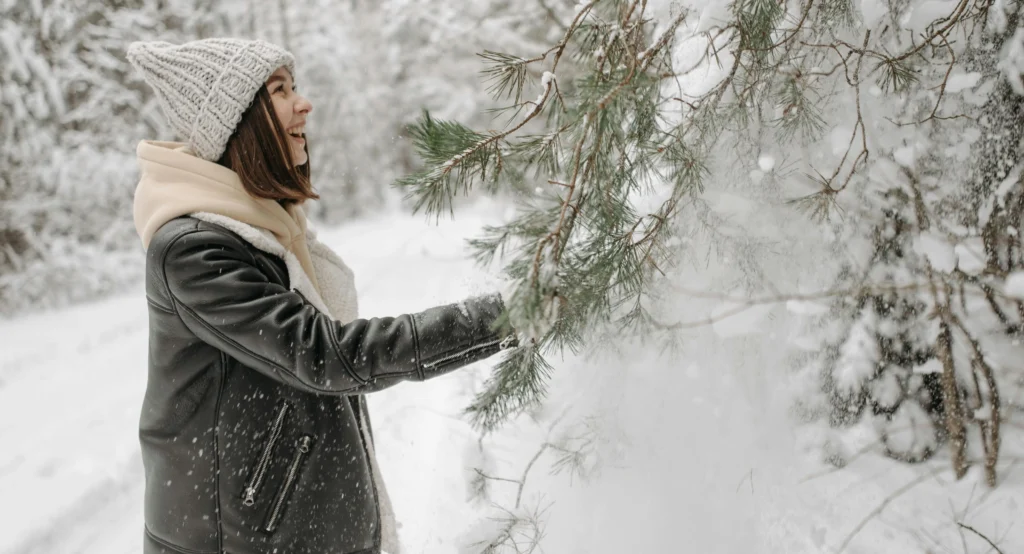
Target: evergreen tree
{"points": [[612, 158], [581, 252]]}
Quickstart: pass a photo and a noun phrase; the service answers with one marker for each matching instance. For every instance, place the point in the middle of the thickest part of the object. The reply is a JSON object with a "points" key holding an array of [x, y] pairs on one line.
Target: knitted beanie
{"points": [[205, 86]]}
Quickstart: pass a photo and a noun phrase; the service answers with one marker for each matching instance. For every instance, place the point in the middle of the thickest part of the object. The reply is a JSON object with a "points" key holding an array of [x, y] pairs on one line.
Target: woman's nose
{"points": [[303, 105]]}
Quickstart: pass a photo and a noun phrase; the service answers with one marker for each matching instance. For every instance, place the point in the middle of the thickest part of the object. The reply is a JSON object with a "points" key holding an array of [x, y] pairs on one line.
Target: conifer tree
{"points": [[582, 254], [877, 103]]}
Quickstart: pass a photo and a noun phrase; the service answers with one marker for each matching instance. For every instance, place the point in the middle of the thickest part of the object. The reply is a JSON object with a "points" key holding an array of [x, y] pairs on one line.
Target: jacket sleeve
{"points": [[228, 302]]}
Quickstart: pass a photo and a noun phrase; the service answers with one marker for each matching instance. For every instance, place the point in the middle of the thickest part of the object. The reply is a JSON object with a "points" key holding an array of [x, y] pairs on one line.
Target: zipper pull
{"points": [[250, 496], [304, 444], [508, 342]]}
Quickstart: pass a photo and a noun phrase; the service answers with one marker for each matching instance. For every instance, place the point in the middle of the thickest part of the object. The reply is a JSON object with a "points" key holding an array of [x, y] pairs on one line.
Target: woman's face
{"points": [[291, 109]]}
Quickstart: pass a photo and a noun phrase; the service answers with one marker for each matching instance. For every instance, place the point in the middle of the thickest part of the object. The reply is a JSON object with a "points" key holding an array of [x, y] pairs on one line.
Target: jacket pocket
{"points": [[259, 471], [302, 448]]}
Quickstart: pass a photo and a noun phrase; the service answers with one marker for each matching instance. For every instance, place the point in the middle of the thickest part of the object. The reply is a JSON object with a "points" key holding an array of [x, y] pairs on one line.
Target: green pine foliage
{"points": [[609, 126], [455, 156], [580, 254], [518, 381]]}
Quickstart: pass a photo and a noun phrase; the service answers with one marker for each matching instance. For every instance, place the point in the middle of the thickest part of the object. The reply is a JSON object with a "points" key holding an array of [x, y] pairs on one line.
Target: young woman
{"points": [[254, 431]]}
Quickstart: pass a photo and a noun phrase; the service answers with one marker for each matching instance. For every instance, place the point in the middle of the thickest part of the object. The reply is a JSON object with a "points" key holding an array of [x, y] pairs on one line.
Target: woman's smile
{"points": [[297, 132]]}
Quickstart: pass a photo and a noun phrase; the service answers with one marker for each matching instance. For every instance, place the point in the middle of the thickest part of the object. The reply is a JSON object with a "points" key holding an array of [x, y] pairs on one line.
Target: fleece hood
{"points": [[175, 182]]}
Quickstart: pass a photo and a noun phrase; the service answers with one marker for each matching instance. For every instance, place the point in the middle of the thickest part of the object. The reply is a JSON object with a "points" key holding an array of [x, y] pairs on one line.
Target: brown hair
{"points": [[258, 151]]}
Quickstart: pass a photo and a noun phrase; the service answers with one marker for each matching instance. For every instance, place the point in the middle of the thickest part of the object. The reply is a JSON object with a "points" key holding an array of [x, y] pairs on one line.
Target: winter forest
{"points": [[764, 257]]}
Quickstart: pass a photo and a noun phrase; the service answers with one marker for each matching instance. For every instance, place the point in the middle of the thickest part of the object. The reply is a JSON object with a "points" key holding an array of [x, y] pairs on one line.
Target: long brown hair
{"points": [[258, 151]]}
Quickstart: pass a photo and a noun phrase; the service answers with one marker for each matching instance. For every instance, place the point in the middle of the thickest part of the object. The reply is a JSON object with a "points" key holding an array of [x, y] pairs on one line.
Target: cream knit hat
{"points": [[205, 86]]}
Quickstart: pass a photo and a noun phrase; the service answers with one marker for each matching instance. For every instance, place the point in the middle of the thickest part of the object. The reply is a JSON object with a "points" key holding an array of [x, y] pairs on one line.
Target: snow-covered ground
{"points": [[700, 467]]}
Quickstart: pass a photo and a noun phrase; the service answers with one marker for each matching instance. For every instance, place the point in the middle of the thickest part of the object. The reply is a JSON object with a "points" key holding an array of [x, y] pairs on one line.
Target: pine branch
{"points": [[541, 151], [517, 384], [492, 244], [648, 56], [452, 151], [839, 12], [799, 114], [579, 253], [577, 460], [434, 187], [687, 167], [757, 20], [897, 75], [820, 205], [508, 74], [514, 530]]}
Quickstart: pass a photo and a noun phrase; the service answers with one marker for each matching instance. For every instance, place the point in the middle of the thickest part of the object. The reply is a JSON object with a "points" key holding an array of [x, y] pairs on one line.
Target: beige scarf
{"points": [[174, 182]]}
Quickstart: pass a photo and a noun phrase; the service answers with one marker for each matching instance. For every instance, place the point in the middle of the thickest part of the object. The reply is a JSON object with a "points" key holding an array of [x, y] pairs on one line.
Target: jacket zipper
{"points": [[302, 448], [260, 471], [462, 353]]}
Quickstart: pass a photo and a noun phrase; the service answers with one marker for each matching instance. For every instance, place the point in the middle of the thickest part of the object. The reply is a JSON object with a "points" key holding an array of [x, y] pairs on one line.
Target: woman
{"points": [[254, 431]]}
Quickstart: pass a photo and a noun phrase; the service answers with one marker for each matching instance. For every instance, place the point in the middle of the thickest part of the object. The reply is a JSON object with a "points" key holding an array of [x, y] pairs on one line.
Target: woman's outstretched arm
{"points": [[218, 292]]}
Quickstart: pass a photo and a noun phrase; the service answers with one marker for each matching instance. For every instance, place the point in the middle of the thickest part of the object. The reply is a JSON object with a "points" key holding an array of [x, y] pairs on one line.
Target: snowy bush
{"points": [[73, 112]]}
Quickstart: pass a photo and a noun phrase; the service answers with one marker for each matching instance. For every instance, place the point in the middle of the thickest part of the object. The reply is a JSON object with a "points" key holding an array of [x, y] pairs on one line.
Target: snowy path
{"points": [[71, 383]]}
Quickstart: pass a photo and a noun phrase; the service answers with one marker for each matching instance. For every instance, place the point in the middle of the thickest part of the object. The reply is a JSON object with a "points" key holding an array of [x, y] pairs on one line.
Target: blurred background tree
{"points": [[73, 112]]}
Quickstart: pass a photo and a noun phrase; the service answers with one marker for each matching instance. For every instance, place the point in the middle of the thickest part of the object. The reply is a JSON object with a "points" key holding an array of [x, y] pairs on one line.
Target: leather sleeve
{"points": [[226, 301]]}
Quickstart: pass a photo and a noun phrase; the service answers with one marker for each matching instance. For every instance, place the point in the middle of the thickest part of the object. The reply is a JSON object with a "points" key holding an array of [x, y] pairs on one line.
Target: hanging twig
{"points": [[975, 531]]}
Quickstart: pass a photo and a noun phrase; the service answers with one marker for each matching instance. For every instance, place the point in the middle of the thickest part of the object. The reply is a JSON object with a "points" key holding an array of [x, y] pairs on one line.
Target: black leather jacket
{"points": [[250, 428]]}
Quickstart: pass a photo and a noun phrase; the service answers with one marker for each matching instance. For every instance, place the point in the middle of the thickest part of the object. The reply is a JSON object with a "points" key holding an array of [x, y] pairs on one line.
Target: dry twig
{"points": [[975, 531]]}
